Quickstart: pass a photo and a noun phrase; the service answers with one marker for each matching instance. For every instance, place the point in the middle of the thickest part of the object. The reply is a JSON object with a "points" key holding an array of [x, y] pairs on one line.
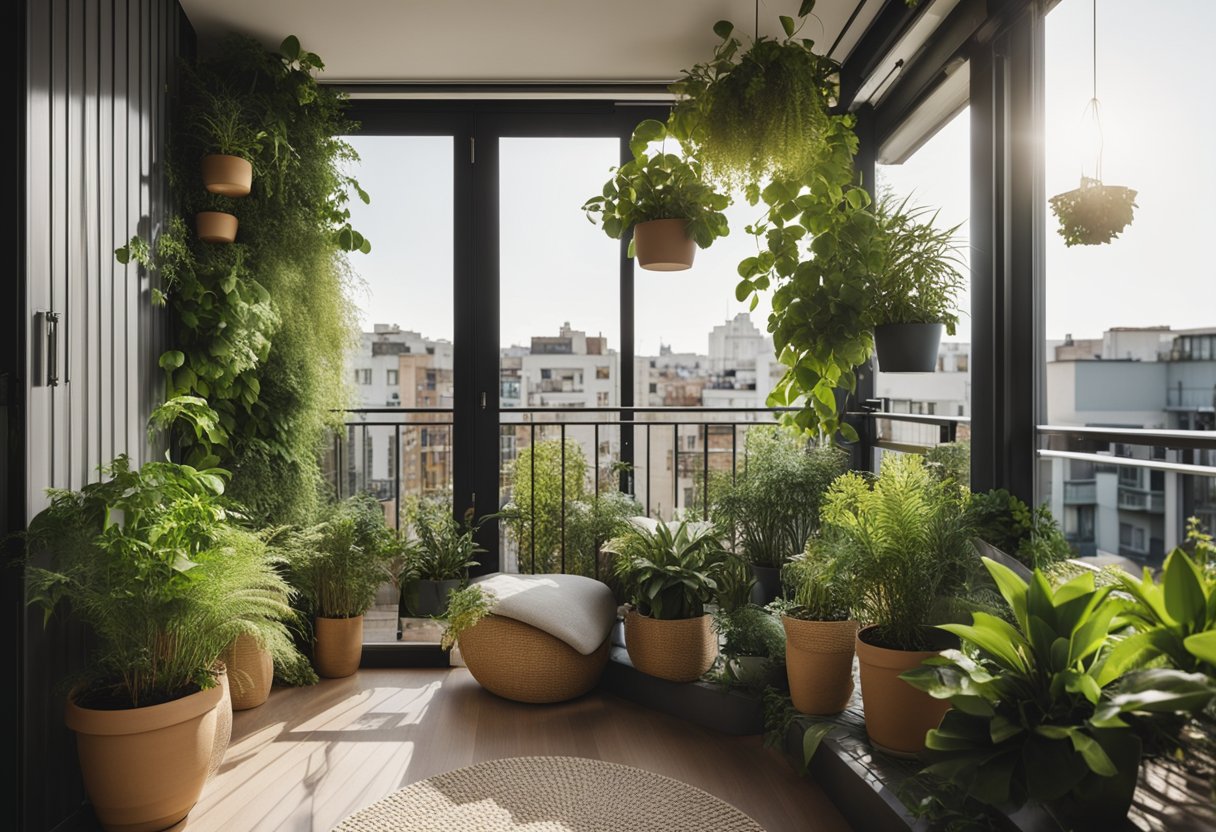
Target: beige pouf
{"points": [[517, 661], [549, 794]]}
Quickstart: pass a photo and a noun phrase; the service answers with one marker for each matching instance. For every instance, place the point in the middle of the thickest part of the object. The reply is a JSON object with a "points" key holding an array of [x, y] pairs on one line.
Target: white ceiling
{"points": [[495, 41]]}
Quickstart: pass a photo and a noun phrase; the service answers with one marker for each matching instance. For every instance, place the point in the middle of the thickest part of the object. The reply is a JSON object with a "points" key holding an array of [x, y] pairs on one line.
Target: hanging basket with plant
{"points": [[1093, 214]]}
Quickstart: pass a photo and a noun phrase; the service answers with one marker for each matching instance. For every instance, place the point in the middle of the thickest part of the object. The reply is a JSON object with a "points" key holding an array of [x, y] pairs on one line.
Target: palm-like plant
{"points": [[669, 574], [446, 549]]}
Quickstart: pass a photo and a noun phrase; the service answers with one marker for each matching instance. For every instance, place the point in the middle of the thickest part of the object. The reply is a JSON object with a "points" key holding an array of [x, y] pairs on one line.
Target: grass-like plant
{"points": [[917, 267], [669, 574], [820, 591], [151, 562], [446, 549], [466, 607], [905, 542]]}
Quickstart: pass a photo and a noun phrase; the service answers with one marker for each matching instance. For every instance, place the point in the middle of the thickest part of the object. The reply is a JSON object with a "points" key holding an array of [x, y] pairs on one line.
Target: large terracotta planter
{"points": [[223, 724], [144, 768], [663, 245], [215, 227], [897, 715], [227, 175], [678, 651], [819, 664], [250, 672], [339, 646]]}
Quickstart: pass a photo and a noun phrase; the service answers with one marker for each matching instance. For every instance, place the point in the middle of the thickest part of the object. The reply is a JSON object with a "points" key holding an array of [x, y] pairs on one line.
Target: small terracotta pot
{"points": [[144, 768], [223, 724], [215, 227], [339, 646], [819, 664], [663, 245], [897, 715], [680, 650], [227, 175], [250, 672]]}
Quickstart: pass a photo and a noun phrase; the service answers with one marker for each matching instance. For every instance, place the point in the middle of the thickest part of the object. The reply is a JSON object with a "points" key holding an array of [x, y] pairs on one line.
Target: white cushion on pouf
{"points": [[579, 611]]}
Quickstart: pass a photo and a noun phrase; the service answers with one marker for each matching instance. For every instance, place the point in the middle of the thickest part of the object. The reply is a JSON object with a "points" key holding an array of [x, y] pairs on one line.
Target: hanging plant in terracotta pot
{"points": [[664, 198], [230, 140], [1094, 213]]}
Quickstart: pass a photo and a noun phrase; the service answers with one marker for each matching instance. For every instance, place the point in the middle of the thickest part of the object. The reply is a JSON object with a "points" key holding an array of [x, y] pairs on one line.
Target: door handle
{"points": [[51, 323]]}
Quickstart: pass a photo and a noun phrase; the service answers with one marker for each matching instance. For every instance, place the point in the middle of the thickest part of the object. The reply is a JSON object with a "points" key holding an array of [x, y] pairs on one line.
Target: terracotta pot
{"points": [[663, 245], [144, 768], [897, 715], [819, 664], [227, 175], [907, 348], [339, 646], [250, 672], [678, 651], [223, 724], [215, 227]]}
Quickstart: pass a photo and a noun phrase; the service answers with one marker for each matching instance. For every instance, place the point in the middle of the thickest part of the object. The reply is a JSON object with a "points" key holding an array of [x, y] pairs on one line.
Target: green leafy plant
{"points": [[904, 540], [759, 112], [772, 507], [820, 592], [951, 460], [1038, 712], [1031, 535], [669, 574], [446, 549], [659, 186], [338, 563], [534, 513], [1093, 214], [916, 267], [221, 121], [750, 631], [590, 524], [466, 607], [151, 562]]}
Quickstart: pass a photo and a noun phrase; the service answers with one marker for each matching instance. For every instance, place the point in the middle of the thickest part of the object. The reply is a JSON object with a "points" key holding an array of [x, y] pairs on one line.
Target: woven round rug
{"points": [[549, 794]]}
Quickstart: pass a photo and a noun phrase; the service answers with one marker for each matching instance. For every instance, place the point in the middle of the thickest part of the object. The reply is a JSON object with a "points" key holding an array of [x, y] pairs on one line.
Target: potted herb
{"points": [[772, 507], [1039, 710], [916, 284], [446, 550], [220, 122], [904, 542], [337, 565], [148, 561], [753, 644], [1093, 214], [664, 199], [1003, 522], [820, 632], [669, 577], [761, 112]]}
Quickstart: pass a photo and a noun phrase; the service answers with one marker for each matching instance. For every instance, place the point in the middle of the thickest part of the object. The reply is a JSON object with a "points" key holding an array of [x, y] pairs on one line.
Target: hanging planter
{"points": [[225, 175], [215, 226], [664, 245], [907, 348], [1093, 214]]}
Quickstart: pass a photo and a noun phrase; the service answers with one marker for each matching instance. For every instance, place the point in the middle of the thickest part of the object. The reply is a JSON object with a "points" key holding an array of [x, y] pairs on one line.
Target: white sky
{"points": [[1158, 122]]}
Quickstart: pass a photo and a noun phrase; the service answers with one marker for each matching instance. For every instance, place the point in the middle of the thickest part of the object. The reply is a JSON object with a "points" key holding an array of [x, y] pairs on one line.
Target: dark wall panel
{"points": [[99, 80]]}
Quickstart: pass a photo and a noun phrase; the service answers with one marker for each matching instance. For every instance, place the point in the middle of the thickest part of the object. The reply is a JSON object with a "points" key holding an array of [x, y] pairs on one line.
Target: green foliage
{"points": [[149, 560], [466, 607], [951, 460], [338, 564], [735, 582], [750, 631], [1031, 535], [757, 113], [772, 507], [659, 186], [916, 269], [904, 542], [591, 523], [669, 574], [261, 326], [446, 548], [534, 514], [820, 591], [1036, 713], [1093, 214]]}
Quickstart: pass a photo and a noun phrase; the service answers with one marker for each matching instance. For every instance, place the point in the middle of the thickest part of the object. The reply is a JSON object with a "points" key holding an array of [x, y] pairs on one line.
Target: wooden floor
{"points": [[311, 756]]}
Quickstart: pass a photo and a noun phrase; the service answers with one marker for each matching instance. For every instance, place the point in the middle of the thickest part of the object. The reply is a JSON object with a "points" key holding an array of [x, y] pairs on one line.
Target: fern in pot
{"points": [[446, 550], [150, 562], [916, 285], [904, 542], [338, 565], [820, 632], [669, 575], [753, 643]]}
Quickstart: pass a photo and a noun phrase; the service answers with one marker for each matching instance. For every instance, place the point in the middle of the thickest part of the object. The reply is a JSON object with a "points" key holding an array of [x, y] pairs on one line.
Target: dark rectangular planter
{"points": [[907, 348]]}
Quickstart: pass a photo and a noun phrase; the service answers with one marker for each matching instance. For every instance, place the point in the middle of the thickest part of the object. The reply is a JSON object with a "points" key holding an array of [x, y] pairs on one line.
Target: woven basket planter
{"points": [[250, 672], [680, 650], [339, 646], [519, 662], [819, 664]]}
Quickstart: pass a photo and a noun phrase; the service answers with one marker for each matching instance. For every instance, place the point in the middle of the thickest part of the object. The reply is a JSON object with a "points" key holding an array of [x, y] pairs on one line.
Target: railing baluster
{"points": [[532, 497], [648, 469], [595, 567], [675, 472], [397, 478], [562, 527], [705, 474]]}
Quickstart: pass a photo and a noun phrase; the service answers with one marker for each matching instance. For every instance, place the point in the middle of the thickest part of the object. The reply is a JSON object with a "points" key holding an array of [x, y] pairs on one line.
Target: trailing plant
{"points": [[338, 563], [1039, 710], [669, 574], [659, 186], [916, 272], [820, 591], [1031, 535], [1093, 214], [149, 560], [760, 112], [466, 607], [447, 549], [904, 541], [772, 507]]}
